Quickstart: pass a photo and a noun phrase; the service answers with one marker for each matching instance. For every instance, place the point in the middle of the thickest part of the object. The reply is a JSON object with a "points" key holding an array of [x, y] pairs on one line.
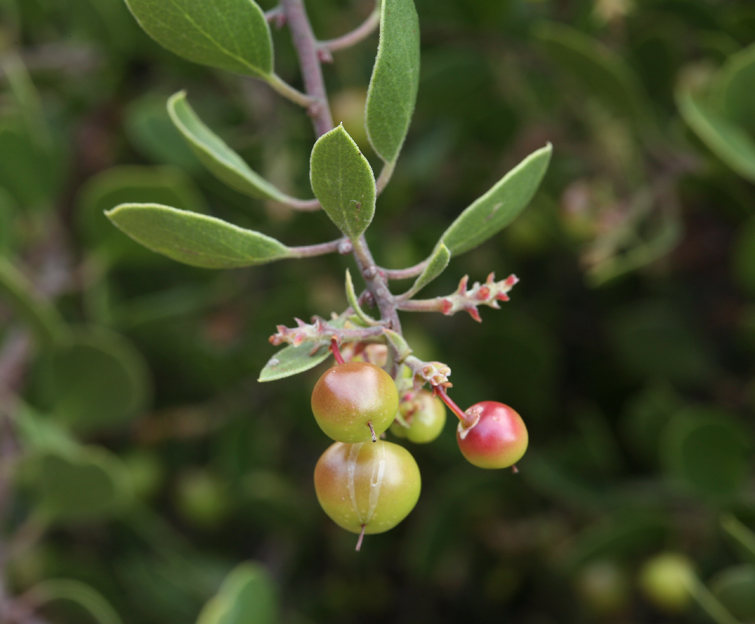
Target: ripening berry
{"points": [[497, 440], [666, 580], [350, 397], [365, 484], [425, 415]]}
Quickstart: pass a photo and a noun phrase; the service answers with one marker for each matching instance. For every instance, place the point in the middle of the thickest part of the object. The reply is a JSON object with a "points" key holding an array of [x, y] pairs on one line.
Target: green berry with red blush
{"points": [[353, 401]]}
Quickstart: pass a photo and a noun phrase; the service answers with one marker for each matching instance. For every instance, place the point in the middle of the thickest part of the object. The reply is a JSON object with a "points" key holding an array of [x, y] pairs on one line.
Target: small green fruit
{"points": [[666, 579], [425, 415], [368, 485]]}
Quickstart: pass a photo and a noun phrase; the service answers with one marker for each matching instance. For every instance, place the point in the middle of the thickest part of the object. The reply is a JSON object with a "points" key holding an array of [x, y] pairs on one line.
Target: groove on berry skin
{"points": [[352, 468], [376, 483]]}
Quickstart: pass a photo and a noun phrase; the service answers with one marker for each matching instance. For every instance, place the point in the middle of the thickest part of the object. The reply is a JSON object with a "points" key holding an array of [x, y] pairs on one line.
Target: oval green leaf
{"points": [[227, 34], [194, 239], [134, 184], [215, 154], [98, 380], [706, 451], [436, 264], [735, 589], [343, 182], [247, 596], [597, 68], [727, 140], [734, 91], [291, 361], [88, 482], [395, 79], [499, 206]]}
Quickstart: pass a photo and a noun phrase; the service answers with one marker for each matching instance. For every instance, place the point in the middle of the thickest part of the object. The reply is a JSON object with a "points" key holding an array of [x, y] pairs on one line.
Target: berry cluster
{"points": [[368, 485]]}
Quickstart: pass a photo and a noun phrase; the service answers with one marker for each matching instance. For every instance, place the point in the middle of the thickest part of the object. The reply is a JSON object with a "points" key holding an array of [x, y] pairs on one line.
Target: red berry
{"points": [[351, 397], [497, 437]]}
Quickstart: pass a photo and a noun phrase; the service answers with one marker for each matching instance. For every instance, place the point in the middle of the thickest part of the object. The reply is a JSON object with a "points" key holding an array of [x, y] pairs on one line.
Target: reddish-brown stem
{"points": [[441, 392], [359, 541], [399, 274], [372, 431], [309, 61], [336, 351], [514, 469]]}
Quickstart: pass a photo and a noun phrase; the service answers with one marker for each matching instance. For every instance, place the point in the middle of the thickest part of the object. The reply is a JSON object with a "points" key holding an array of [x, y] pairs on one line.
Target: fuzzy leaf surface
{"points": [[227, 34], [343, 182], [395, 79], [499, 206], [195, 239], [215, 154]]}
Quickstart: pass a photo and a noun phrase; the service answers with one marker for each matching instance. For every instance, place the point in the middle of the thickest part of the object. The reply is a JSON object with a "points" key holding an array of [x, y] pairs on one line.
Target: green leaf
{"points": [[227, 34], [247, 596], [727, 140], [705, 450], [735, 589], [395, 79], [343, 182], [743, 536], [436, 264], [195, 239], [291, 360], [98, 380], [220, 159], [351, 297], [133, 184], [82, 594], [150, 130], [87, 482], [499, 206], [600, 70], [733, 89]]}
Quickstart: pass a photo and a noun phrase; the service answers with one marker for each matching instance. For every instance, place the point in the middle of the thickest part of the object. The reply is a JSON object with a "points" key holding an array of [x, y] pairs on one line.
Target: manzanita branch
{"points": [[488, 293], [288, 92], [360, 33], [276, 16], [308, 251], [309, 61], [399, 274], [303, 205]]}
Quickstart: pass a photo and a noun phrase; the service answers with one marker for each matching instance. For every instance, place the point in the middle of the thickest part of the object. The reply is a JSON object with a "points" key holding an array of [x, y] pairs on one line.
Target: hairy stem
{"points": [[376, 284], [309, 61]]}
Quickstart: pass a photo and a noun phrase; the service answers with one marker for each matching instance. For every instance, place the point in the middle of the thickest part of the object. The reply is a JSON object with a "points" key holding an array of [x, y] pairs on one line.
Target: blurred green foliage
{"points": [[155, 464]]}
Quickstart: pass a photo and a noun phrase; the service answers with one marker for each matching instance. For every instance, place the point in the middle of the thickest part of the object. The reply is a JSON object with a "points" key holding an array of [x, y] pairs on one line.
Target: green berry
{"points": [[368, 485]]}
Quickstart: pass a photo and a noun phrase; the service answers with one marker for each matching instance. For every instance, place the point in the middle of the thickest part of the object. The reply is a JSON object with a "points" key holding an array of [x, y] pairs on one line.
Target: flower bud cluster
{"points": [[489, 293]]}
